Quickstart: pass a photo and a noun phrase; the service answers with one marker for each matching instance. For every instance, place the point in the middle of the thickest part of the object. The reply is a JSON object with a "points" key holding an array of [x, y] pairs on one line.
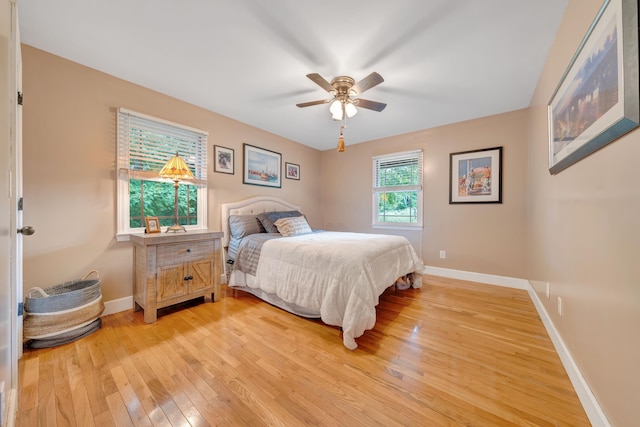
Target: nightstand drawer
{"points": [[179, 253]]}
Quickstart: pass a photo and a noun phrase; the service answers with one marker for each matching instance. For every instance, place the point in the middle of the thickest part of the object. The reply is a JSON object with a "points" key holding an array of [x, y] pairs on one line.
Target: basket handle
{"points": [[90, 273], [39, 290]]}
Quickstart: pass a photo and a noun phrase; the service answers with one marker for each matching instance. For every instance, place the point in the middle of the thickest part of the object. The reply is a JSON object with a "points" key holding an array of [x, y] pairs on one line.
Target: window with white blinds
{"points": [[397, 190], [145, 144]]}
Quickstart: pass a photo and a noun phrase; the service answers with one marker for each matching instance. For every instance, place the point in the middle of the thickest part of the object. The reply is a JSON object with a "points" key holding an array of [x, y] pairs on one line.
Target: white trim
{"points": [[489, 279], [166, 122], [587, 398], [117, 305]]}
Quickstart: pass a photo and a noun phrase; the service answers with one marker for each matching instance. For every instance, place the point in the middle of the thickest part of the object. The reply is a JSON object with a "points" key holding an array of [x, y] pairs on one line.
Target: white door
{"points": [[16, 171], [12, 86]]}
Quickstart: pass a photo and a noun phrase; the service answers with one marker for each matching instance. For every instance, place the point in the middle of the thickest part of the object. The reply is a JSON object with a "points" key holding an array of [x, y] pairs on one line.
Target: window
{"points": [[397, 190], [144, 146]]}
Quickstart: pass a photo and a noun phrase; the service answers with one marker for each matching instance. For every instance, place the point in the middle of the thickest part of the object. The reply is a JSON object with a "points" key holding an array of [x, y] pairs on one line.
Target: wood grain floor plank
{"points": [[453, 353]]}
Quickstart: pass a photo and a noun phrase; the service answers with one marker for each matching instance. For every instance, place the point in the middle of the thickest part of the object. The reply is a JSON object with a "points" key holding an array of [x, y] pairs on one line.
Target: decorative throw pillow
{"points": [[269, 218], [293, 226], [244, 225]]}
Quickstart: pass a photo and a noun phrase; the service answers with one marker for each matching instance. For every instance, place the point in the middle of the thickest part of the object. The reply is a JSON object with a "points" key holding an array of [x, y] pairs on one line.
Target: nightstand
{"points": [[173, 268]]}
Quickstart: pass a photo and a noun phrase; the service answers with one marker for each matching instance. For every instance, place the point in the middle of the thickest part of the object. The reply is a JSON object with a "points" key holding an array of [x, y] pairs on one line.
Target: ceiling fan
{"points": [[345, 93]]}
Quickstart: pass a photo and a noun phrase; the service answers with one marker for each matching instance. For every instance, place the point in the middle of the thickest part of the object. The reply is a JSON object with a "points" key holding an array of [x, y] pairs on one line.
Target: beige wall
{"points": [[577, 230], [483, 238], [69, 169], [583, 238]]}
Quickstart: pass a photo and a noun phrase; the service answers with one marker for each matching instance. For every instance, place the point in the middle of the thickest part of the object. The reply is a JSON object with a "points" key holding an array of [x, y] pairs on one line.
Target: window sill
{"points": [[397, 226]]}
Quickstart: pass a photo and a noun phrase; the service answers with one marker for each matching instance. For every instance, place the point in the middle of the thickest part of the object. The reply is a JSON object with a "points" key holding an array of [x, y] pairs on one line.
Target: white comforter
{"points": [[340, 275]]}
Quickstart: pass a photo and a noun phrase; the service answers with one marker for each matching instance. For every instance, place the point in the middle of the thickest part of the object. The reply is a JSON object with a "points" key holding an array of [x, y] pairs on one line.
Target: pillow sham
{"points": [[267, 219], [293, 226], [244, 225]]}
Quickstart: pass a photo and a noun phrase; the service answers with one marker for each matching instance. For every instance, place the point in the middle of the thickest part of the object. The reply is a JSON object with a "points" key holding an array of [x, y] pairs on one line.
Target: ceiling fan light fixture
{"points": [[350, 109], [336, 110]]}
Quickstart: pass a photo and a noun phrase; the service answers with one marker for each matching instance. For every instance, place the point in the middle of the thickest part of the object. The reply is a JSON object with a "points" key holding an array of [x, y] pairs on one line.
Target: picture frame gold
{"points": [[152, 224]]}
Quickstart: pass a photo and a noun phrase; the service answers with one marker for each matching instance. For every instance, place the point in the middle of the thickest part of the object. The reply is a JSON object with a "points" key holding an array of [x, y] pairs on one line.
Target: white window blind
{"points": [[398, 172], [145, 144], [397, 190]]}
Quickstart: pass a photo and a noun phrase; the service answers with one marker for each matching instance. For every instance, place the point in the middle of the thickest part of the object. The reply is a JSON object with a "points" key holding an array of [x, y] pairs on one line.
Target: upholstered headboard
{"points": [[252, 205]]}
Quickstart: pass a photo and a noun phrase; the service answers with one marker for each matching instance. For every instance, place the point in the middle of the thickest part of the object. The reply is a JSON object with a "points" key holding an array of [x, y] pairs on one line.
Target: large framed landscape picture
{"points": [[262, 167], [597, 99], [476, 176]]}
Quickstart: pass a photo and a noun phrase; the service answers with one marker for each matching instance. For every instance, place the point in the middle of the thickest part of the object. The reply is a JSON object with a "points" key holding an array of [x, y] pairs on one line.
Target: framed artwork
{"points": [[292, 171], [261, 167], [597, 99], [152, 224], [223, 159], [476, 176]]}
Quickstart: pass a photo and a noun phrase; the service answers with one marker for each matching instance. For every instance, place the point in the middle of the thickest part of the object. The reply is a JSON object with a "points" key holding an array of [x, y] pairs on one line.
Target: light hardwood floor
{"points": [[452, 353]]}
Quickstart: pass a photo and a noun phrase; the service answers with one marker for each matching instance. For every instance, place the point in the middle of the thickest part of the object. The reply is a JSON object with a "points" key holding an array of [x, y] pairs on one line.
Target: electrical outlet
{"points": [[548, 290], [443, 254], [560, 306]]}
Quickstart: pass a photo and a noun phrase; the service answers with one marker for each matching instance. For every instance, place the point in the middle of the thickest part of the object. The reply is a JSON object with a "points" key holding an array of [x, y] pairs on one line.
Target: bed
{"points": [[338, 277]]}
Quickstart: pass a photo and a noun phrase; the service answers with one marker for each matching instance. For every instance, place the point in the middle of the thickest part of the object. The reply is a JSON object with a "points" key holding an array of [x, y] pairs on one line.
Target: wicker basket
{"points": [[63, 313], [46, 325], [66, 337], [65, 296]]}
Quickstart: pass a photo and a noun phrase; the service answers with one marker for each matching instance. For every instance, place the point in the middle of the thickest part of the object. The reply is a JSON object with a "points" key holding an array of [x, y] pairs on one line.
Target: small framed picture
{"points": [[223, 159], [293, 170], [152, 224], [476, 176]]}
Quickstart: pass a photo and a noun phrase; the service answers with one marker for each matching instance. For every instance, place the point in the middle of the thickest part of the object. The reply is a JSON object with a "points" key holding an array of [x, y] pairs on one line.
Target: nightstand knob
{"points": [[188, 250]]}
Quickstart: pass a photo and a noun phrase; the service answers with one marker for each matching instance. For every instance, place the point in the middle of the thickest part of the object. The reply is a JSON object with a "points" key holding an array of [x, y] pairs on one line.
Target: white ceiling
{"points": [[443, 61]]}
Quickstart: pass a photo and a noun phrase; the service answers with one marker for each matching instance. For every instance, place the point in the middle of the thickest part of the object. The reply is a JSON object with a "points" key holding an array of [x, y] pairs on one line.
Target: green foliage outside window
{"points": [[398, 206], [156, 198]]}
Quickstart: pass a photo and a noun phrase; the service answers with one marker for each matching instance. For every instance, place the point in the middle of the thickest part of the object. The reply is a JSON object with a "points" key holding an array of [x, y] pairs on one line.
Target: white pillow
{"points": [[293, 226]]}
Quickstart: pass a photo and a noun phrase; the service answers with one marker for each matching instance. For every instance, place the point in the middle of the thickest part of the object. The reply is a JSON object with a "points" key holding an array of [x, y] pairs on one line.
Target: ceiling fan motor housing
{"points": [[343, 85]]}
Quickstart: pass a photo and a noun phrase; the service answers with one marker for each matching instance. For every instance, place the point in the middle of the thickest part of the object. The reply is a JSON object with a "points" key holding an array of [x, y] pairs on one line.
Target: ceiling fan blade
{"points": [[370, 105], [309, 104], [367, 83], [320, 81]]}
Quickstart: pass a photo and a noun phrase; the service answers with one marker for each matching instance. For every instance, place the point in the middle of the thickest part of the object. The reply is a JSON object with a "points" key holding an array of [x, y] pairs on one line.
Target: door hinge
{"points": [[20, 204], [20, 308], [20, 97]]}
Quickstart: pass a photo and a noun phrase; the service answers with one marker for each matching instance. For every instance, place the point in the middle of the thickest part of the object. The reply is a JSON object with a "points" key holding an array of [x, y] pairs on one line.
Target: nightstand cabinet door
{"points": [[201, 274], [171, 282]]}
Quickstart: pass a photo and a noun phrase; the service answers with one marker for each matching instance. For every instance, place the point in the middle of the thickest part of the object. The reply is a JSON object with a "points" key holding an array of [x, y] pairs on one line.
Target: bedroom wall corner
{"points": [[484, 238], [582, 239], [69, 169]]}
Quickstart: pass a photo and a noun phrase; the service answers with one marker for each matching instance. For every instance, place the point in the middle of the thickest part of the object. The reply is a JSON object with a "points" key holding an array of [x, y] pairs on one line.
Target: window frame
{"points": [[376, 190], [124, 173]]}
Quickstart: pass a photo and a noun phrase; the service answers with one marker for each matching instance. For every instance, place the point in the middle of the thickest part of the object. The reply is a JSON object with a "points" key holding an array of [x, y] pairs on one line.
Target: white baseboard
{"points": [[118, 305], [586, 396], [489, 279]]}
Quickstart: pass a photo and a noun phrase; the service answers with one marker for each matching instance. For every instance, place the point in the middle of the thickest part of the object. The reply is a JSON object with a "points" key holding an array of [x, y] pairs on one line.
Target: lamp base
{"points": [[175, 228]]}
